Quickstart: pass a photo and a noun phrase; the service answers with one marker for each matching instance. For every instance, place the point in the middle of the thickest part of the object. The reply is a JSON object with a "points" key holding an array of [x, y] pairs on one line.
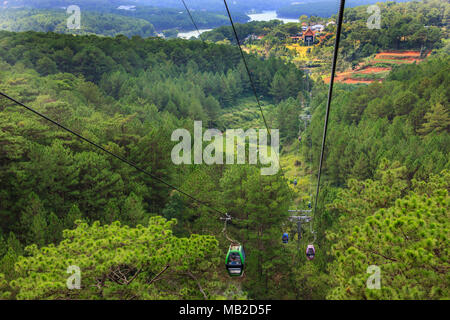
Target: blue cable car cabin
{"points": [[285, 238], [235, 260]]}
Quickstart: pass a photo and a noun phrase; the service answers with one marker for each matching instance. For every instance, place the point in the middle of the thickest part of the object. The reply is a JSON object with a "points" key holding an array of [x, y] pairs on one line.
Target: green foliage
{"points": [[179, 20], [387, 149], [316, 9], [406, 236], [404, 119], [285, 120], [438, 120], [43, 20], [129, 96], [259, 205], [3, 285], [405, 25], [178, 76], [243, 31], [409, 25], [66, 176], [119, 262]]}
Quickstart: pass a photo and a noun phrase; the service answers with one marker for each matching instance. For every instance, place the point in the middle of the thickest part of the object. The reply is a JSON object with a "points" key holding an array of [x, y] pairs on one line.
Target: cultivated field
{"points": [[376, 68]]}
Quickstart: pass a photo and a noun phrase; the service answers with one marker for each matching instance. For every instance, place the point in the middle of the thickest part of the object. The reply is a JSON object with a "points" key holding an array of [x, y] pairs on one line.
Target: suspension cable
{"points": [[330, 97], [254, 88], [192, 19], [227, 219], [131, 164], [246, 67]]}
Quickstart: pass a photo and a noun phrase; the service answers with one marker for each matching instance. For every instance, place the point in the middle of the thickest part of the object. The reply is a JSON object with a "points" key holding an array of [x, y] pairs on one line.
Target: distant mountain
{"points": [[236, 6], [321, 8], [166, 18], [46, 20], [170, 18], [54, 4]]}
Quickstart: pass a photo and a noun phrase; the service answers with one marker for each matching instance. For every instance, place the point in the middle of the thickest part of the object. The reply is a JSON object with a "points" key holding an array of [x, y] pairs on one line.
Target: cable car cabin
{"points": [[310, 252], [285, 238], [235, 260]]}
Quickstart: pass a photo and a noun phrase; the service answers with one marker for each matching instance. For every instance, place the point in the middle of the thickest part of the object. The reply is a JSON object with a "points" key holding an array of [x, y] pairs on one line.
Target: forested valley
{"points": [[405, 26], [108, 19], [385, 184], [56, 21], [128, 95]]}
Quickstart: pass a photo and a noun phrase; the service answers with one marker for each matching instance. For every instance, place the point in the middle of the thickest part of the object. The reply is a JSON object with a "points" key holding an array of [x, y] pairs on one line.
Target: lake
{"points": [[269, 15], [190, 34], [264, 16]]}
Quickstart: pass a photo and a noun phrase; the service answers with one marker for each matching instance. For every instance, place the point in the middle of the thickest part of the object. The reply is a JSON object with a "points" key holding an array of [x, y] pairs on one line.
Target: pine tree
{"points": [[406, 237], [279, 88], [33, 222], [126, 260], [54, 229], [260, 203], [38, 229], [73, 215], [438, 120], [46, 66], [14, 244], [133, 212], [7, 263]]}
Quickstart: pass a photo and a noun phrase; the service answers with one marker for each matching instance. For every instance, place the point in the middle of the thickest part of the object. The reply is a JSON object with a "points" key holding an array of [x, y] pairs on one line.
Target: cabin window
{"points": [[234, 258]]}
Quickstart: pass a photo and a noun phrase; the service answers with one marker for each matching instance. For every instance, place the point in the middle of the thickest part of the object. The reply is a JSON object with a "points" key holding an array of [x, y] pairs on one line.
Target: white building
{"points": [[318, 27]]}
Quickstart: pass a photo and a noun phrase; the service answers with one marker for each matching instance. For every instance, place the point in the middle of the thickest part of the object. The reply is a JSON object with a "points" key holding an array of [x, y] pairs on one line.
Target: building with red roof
{"points": [[308, 37]]}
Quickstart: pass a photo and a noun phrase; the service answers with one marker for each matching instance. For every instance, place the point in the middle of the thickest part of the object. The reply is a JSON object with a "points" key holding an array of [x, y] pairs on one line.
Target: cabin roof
{"points": [[308, 32]]}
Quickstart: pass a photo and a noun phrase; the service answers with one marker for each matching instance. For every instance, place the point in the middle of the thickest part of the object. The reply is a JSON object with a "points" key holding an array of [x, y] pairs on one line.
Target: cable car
{"points": [[310, 252], [235, 260], [285, 238]]}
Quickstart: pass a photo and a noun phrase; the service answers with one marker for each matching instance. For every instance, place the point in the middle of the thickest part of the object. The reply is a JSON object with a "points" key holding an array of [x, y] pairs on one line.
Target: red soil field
{"points": [[399, 53], [408, 55], [373, 70], [392, 57], [346, 78], [358, 81], [397, 61]]}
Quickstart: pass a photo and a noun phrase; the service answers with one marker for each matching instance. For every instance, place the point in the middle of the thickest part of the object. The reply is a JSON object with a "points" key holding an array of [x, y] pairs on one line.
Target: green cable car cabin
{"points": [[235, 260]]}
